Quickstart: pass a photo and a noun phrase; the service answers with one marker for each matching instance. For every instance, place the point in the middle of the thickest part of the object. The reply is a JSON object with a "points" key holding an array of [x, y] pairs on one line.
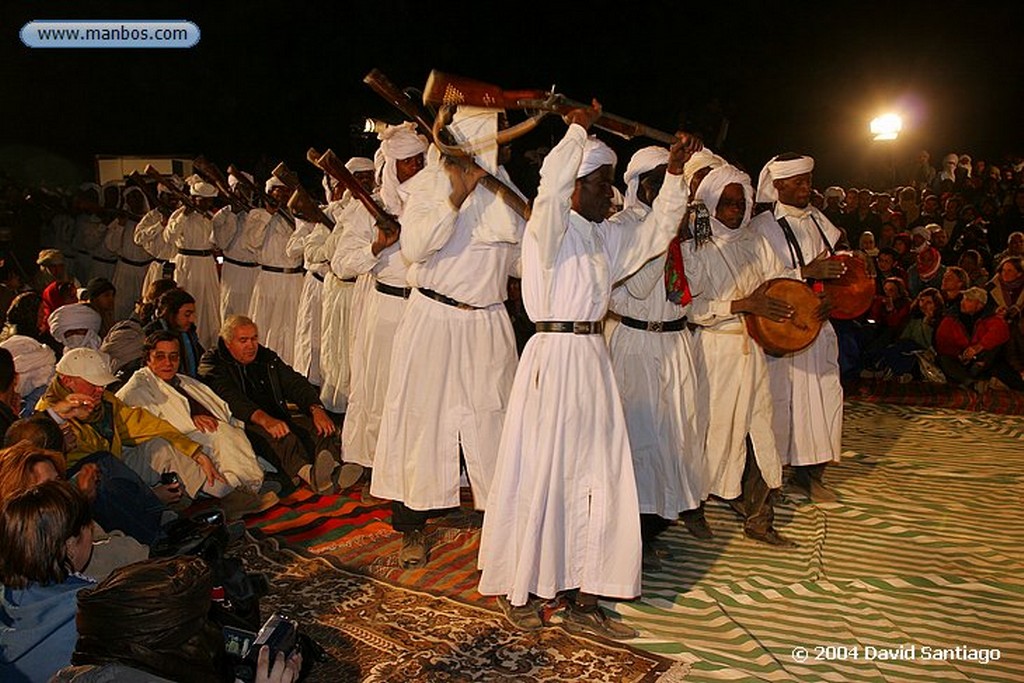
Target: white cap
{"points": [[87, 364]]}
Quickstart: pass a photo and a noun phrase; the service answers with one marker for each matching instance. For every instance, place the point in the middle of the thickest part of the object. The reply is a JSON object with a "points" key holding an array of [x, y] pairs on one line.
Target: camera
{"points": [[279, 633], [170, 479]]}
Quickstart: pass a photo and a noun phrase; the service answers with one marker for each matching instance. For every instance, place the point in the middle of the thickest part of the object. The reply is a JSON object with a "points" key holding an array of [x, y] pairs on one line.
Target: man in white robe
{"points": [[149, 234], [562, 512], [375, 250], [726, 270], [132, 260], [652, 356], [808, 398], [194, 410], [275, 298], [195, 270], [340, 312], [308, 241], [241, 261], [462, 243]]}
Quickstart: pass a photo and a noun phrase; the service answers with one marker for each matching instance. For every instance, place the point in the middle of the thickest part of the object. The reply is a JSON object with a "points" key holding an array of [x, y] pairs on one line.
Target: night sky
{"points": [[270, 79]]}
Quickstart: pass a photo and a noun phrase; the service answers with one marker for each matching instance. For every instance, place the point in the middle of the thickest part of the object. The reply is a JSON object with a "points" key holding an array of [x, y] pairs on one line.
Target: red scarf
{"points": [[677, 288]]}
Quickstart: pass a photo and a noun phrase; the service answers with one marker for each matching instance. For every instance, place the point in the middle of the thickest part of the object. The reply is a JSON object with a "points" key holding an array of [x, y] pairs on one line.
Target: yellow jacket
{"points": [[131, 426]]}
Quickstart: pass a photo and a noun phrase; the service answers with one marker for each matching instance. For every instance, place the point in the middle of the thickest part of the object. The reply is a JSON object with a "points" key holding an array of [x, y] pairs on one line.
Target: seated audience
{"points": [[967, 342], [176, 312], [1007, 288], [125, 340]]}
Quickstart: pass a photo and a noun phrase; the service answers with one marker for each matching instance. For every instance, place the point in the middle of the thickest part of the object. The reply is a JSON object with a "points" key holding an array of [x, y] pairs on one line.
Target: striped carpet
{"points": [[923, 550]]}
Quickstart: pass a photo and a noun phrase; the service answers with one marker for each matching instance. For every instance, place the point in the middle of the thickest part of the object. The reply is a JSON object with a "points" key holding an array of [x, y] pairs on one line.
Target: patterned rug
{"points": [[923, 550], [1004, 402], [375, 632]]}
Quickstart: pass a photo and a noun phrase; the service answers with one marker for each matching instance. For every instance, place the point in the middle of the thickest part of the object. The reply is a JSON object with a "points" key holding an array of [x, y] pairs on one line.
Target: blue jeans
{"points": [[123, 501]]}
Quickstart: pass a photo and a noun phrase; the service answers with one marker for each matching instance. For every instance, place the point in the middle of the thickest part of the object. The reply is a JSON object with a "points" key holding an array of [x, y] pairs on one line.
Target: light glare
{"points": [[886, 127]]}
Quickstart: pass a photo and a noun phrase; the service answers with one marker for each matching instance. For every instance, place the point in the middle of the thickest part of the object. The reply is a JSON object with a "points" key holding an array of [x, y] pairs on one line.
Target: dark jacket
{"points": [[267, 384]]}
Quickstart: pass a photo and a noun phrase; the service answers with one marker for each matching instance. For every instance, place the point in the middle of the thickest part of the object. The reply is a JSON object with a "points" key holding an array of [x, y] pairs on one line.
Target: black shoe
{"points": [[697, 524], [770, 537], [651, 558], [592, 620]]}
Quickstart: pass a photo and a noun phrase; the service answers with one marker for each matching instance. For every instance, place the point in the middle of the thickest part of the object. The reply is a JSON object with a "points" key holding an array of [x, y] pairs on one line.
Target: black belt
{"points": [[577, 327], [84, 252], [236, 262], [392, 291], [318, 276], [347, 279], [447, 300], [101, 259], [136, 263], [196, 252], [655, 325], [287, 271]]}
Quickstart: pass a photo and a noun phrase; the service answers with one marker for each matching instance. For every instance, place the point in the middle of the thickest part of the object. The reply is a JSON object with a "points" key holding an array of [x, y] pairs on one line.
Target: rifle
{"points": [[446, 89], [380, 84], [301, 203], [330, 164], [213, 175], [185, 198], [258, 194]]}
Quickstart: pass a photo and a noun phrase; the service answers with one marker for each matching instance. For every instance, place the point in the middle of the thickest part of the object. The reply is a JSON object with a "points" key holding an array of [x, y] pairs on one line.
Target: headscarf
{"points": [[397, 142], [928, 262], [33, 361], [644, 160], [778, 170], [145, 200], [595, 155], [199, 187], [76, 317], [710, 191], [702, 158], [925, 233]]}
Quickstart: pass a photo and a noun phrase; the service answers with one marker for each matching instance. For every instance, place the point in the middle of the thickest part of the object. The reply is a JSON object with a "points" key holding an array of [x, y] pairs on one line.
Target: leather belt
{"points": [[447, 300], [242, 264], [130, 262], [575, 327], [196, 252], [318, 276], [347, 279], [392, 291], [654, 325], [102, 259], [287, 271]]}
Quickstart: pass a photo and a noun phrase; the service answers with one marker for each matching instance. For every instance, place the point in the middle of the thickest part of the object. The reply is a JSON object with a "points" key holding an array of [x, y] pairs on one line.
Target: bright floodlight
{"points": [[886, 127]]}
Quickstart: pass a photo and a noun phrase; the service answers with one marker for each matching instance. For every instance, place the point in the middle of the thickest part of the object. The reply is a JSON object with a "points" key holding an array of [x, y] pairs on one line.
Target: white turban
{"points": [[477, 129], [835, 191], [595, 155], [272, 182], [33, 361], [359, 165], [710, 191], [397, 142], [777, 170], [199, 187], [76, 317], [702, 158], [233, 179], [644, 160]]}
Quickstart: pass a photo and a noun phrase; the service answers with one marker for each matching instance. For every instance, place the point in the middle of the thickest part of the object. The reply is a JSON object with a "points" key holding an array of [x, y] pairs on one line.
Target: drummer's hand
{"points": [[823, 268], [683, 148], [584, 116], [765, 306], [824, 308]]}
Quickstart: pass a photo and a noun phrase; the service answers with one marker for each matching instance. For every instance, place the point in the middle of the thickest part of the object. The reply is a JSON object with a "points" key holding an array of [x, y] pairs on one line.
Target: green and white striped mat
{"points": [[922, 555]]}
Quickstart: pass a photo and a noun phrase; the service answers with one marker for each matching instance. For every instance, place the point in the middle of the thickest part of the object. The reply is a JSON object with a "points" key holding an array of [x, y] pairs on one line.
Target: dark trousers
{"points": [[959, 373], [758, 499], [293, 450], [123, 501], [651, 525], [405, 519]]}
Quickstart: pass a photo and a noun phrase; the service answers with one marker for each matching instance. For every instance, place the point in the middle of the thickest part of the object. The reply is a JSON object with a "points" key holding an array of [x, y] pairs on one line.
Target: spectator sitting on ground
{"points": [[25, 465], [1014, 247], [1007, 288], [26, 317], [119, 499], [927, 270], [970, 261], [34, 363], [954, 283], [46, 536], [99, 294], [148, 445], [176, 312], [1009, 365], [967, 341], [886, 266], [76, 326], [126, 338], [258, 386], [195, 410]]}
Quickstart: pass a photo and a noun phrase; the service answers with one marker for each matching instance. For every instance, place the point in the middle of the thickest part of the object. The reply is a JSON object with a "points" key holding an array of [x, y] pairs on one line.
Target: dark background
{"points": [[269, 79]]}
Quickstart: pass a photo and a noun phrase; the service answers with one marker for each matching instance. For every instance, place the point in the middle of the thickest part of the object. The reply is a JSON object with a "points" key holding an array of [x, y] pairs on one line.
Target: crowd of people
{"points": [[584, 365]]}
